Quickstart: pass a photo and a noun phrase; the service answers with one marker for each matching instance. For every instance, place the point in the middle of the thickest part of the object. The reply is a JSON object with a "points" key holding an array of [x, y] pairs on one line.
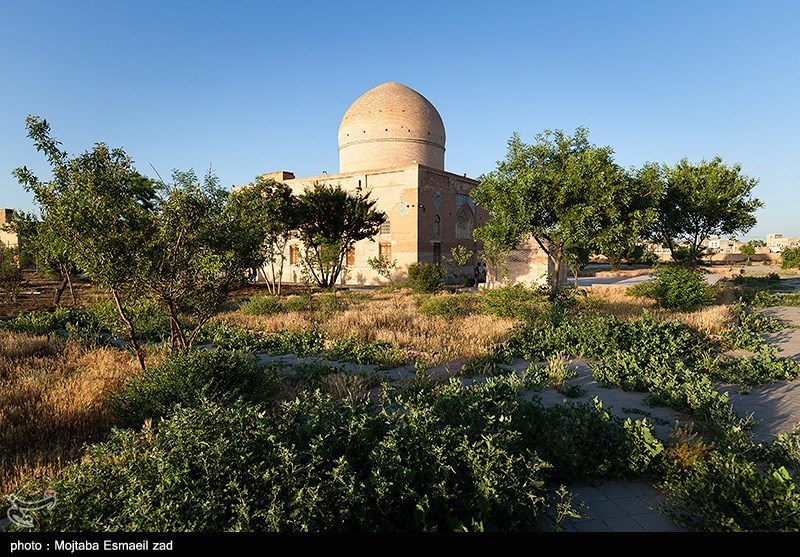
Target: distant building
{"points": [[778, 242], [392, 143], [717, 245], [7, 239]]}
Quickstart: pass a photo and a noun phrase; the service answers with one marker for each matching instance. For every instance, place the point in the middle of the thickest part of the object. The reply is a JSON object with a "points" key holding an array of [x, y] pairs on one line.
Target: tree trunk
{"points": [[137, 349], [59, 291], [176, 324], [71, 292]]}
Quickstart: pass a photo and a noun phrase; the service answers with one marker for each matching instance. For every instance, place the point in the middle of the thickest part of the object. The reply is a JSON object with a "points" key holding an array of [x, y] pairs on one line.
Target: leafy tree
{"points": [[748, 250], [495, 251], [271, 208], [198, 251], [790, 258], [333, 220], [700, 200], [10, 274], [383, 267], [630, 215], [101, 207], [48, 247], [460, 256], [562, 191]]}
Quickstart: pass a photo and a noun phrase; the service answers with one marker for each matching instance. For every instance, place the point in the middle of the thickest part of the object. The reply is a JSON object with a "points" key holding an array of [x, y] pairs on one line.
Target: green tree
{"points": [[271, 208], [10, 273], [101, 207], [790, 258], [748, 250], [700, 200], [333, 220], [383, 267], [198, 251], [562, 191], [460, 257], [47, 247], [631, 211]]}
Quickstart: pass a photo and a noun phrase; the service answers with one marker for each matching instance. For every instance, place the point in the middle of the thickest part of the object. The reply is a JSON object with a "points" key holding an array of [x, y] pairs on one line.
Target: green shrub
{"points": [[764, 298], [512, 301], [262, 305], [678, 288], [188, 377], [312, 465], [382, 354], [790, 258], [425, 277], [726, 492], [449, 305], [150, 320]]}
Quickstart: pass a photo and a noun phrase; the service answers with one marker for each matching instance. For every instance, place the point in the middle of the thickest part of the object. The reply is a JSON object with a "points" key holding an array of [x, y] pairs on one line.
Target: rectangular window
{"points": [[386, 227], [351, 256], [437, 253], [385, 251], [294, 255]]}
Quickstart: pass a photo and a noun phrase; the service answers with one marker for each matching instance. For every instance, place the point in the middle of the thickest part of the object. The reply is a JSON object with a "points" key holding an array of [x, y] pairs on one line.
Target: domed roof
{"points": [[391, 125]]}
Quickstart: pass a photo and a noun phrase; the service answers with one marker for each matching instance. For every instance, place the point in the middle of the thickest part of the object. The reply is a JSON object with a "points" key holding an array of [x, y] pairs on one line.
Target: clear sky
{"points": [[255, 86]]}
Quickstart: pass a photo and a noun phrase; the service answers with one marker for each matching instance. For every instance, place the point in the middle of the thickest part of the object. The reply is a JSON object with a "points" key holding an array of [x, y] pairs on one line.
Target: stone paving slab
{"points": [[787, 340], [619, 507]]}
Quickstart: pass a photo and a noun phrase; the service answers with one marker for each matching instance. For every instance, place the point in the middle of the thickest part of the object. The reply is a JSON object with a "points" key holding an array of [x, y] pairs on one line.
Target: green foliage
{"points": [[725, 492], [312, 465], [746, 333], [435, 459], [449, 305], [188, 378], [678, 288], [383, 354], [567, 194], [700, 200], [512, 301], [43, 243], [311, 342], [459, 258], [762, 368], [10, 274], [790, 258], [262, 305], [333, 220], [764, 298], [598, 336], [93, 324], [199, 249], [383, 267], [748, 250], [425, 277], [99, 209], [270, 211]]}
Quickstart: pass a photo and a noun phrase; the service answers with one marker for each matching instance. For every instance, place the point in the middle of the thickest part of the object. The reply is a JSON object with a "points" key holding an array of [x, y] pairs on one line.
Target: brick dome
{"points": [[389, 126]]}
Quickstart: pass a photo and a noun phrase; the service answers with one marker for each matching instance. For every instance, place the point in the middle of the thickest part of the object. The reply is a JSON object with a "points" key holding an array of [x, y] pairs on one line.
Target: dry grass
{"points": [[393, 317], [51, 402], [611, 299]]}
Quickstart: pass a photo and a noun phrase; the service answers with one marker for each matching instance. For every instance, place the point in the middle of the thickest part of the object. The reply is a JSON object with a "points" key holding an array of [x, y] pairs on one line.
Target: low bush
{"points": [[512, 301], [449, 305], [679, 288], [425, 277], [262, 305], [186, 379], [790, 258], [725, 492]]}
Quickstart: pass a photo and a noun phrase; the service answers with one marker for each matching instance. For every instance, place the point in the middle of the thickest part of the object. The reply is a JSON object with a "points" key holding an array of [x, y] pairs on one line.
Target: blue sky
{"points": [[256, 86]]}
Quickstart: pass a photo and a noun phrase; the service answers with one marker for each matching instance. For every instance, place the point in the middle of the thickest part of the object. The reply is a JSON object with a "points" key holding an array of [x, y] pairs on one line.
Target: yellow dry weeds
{"points": [[51, 402]]}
